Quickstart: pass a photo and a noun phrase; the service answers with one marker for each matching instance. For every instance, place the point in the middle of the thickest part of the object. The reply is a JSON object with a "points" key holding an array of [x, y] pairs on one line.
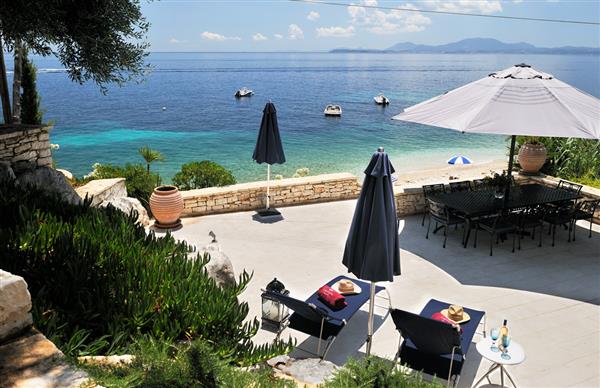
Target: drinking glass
{"points": [[505, 343], [494, 333]]}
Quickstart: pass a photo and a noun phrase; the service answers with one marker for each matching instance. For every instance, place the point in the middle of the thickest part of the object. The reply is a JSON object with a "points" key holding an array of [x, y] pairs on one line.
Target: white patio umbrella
{"points": [[517, 101]]}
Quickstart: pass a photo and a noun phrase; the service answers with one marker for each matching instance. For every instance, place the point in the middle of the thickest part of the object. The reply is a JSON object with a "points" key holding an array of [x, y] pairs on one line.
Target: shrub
{"points": [[198, 175], [30, 99], [98, 281], [376, 372], [186, 365], [140, 183]]}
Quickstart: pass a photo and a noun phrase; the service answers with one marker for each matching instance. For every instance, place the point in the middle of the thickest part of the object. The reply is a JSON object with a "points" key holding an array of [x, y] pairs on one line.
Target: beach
{"points": [[476, 170]]}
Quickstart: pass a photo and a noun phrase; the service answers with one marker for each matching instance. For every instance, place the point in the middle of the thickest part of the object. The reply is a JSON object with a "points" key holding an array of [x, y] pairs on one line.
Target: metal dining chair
{"points": [[427, 191], [496, 225], [444, 217], [585, 210], [456, 187]]}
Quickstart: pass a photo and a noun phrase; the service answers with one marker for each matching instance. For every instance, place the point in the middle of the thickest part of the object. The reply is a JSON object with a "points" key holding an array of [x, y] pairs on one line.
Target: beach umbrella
{"points": [[459, 159], [268, 147], [372, 252], [517, 101]]}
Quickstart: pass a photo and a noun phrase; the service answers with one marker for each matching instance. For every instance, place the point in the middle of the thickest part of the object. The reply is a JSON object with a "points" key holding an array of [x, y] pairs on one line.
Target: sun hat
{"points": [[456, 314], [346, 287]]}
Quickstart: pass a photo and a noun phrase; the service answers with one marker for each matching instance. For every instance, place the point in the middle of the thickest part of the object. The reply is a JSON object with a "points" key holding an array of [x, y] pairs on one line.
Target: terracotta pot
{"points": [[532, 157], [166, 204]]}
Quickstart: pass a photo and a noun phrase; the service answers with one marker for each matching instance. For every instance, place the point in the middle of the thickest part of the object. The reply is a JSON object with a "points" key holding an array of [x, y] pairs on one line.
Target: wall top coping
{"points": [[287, 182], [98, 186], [5, 129]]}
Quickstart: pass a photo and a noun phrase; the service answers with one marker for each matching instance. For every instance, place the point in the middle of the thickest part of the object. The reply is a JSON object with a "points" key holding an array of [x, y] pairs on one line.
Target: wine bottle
{"points": [[503, 333]]}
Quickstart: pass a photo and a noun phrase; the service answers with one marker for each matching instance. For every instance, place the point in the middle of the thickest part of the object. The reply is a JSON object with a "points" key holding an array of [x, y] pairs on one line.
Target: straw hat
{"points": [[346, 287], [456, 313]]}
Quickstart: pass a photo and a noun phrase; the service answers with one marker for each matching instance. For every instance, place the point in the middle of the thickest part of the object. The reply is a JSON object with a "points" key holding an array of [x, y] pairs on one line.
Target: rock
{"points": [[100, 190], [51, 181], [277, 360], [107, 360], [127, 205], [15, 305], [66, 173], [22, 166], [219, 267], [6, 172], [309, 370]]}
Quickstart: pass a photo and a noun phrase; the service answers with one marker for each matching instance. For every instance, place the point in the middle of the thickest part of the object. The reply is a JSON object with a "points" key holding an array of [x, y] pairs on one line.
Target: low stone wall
{"points": [[25, 144], [284, 192], [15, 305], [101, 190]]}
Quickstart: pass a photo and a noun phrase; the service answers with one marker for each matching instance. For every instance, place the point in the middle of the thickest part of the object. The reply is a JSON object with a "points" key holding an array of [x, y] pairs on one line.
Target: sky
{"points": [[282, 25]]}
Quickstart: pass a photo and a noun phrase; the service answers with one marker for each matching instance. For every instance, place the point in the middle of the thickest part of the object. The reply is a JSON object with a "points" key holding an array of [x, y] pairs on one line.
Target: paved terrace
{"points": [[550, 296]]}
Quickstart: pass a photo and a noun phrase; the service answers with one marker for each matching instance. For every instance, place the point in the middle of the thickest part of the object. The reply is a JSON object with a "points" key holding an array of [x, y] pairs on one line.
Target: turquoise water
{"points": [[204, 121]]}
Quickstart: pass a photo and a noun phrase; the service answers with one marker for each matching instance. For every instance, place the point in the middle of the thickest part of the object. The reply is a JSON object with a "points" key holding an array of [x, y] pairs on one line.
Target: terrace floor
{"points": [[550, 296]]}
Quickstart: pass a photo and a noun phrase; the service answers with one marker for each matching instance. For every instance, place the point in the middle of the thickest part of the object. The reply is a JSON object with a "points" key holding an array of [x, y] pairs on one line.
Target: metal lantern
{"points": [[274, 312]]}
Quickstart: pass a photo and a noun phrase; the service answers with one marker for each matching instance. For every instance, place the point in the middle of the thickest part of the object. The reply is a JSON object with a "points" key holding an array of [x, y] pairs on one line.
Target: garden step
{"points": [[31, 360]]}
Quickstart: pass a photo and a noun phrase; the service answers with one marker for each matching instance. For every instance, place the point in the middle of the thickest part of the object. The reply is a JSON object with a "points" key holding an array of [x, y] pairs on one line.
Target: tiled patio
{"points": [[550, 296]]}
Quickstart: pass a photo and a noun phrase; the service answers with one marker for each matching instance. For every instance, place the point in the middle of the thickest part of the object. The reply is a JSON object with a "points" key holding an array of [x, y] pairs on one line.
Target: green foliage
{"points": [[186, 365], [150, 156], [570, 158], [376, 372], [99, 40], [30, 99], [98, 281], [139, 182], [198, 175]]}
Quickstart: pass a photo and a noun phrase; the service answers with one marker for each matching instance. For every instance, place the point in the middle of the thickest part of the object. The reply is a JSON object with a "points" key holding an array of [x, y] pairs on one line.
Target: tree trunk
{"points": [[4, 96], [17, 74]]}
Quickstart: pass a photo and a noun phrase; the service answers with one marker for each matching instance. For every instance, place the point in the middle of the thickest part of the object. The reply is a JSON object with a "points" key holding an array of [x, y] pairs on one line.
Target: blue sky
{"points": [[276, 25]]}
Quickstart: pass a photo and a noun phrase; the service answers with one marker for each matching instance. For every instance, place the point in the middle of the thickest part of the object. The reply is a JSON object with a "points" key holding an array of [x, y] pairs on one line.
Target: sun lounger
{"points": [[434, 347], [315, 318]]}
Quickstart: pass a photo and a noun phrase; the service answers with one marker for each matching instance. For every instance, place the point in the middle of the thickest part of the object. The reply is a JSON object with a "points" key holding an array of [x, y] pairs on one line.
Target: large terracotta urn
{"points": [[166, 204], [532, 157]]}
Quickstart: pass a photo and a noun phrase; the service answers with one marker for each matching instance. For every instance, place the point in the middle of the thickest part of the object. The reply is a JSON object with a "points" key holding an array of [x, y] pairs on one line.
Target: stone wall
{"points": [[101, 190], [15, 305], [284, 192], [25, 144]]}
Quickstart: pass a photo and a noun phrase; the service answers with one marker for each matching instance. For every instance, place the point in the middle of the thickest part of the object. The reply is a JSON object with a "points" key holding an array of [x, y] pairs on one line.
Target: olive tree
{"points": [[102, 41]]}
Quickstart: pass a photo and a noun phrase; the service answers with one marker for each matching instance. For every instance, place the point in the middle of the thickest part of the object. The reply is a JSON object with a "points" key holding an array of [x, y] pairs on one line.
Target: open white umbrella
{"points": [[517, 101]]}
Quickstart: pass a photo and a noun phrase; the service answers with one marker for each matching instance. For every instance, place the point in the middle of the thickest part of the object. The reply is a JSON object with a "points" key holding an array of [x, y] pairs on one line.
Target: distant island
{"points": [[474, 45]]}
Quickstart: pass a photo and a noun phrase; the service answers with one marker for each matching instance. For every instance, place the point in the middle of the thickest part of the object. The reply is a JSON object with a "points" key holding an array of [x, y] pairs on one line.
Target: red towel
{"points": [[442, 318], [331, 297]]}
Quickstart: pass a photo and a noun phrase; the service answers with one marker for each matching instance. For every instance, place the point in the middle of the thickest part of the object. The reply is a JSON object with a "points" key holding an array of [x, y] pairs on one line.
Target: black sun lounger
{"points": [[315, 318], [434, 347]]}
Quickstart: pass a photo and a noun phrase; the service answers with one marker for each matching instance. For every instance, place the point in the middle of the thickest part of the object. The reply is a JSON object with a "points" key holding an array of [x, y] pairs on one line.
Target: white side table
{"points": [[517, 356]]}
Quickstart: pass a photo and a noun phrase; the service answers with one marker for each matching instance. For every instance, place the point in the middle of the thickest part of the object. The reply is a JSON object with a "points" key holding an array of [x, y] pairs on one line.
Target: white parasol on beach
{"points": [[517, 101]]}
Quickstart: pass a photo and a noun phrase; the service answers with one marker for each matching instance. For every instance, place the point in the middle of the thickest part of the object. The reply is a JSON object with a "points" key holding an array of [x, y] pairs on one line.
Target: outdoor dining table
{"points": [[480, 203]]}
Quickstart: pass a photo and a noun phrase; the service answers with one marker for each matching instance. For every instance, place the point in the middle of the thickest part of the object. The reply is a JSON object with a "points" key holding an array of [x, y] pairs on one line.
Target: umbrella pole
{"points": [[513, 141], [268, 185], [371, 313]]}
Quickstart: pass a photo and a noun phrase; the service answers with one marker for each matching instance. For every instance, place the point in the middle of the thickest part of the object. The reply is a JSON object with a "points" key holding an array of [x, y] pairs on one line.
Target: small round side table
{"points": [[517, 356]]}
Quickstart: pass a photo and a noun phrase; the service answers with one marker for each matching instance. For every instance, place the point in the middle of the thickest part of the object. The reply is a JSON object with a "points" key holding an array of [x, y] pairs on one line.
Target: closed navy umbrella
{"points": [[372, 251], [268, 147]]}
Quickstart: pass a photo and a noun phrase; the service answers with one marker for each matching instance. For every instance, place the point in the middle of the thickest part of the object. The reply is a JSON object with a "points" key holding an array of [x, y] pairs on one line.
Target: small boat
{"points": [[333, 110], [381, 100], [244, 92]]}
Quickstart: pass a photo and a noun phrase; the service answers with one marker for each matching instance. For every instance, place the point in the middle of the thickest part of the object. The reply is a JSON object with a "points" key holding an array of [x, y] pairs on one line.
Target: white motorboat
{"points": [[333, 110], [244, 92], [381, 100]]}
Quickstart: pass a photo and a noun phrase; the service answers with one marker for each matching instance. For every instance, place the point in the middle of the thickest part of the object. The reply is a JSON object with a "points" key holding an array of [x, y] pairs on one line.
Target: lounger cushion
{"points": [[439, 365], [336, 319]]}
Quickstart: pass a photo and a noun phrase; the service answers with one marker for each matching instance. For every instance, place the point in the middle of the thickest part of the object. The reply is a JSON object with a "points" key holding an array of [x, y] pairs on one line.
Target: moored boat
{"points": [[381, 100], [333, 110], [244, 92]]}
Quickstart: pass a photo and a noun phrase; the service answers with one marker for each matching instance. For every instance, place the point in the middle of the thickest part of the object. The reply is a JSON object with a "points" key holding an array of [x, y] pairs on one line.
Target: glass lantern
{"points": [[274, 313]]}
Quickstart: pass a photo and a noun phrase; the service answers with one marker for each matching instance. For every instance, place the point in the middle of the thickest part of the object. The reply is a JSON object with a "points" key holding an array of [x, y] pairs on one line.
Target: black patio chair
{"points": [[569, 186], [527, 219], [456, 187], [497, 225], [558, 216], [427, 191], [480, 184], [444, 217], [585, 210], [434, 347]]}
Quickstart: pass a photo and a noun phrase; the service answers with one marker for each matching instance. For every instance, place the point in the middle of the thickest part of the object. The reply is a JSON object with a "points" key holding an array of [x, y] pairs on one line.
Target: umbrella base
{"points": [[267, 213]]}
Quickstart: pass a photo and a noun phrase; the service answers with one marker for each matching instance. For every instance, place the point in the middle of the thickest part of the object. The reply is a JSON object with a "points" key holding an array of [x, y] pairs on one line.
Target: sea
{"points": [[185, 108]]}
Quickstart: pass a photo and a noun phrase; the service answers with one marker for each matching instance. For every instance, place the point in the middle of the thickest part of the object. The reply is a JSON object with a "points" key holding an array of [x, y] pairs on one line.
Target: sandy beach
{"points": [[449, 173]]}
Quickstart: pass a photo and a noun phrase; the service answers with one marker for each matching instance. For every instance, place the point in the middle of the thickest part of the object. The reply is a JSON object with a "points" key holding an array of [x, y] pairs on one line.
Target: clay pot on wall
{"points": [[166, 204], [532, 157]]}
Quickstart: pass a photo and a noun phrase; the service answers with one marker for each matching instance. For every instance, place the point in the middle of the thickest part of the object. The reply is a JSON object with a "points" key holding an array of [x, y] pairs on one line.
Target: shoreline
{"points": [[449, 173]]}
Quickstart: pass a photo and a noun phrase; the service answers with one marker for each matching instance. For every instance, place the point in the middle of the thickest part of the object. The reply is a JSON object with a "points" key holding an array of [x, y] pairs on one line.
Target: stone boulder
{"points": [[127, 205], [219, 267], [15, 305], [66, 173], [51, 181], [6, 172], [307, 371]]}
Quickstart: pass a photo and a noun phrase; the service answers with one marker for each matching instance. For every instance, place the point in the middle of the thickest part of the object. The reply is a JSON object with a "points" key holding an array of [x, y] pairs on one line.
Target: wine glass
{"points": [[505, 343], [494, 333]]}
